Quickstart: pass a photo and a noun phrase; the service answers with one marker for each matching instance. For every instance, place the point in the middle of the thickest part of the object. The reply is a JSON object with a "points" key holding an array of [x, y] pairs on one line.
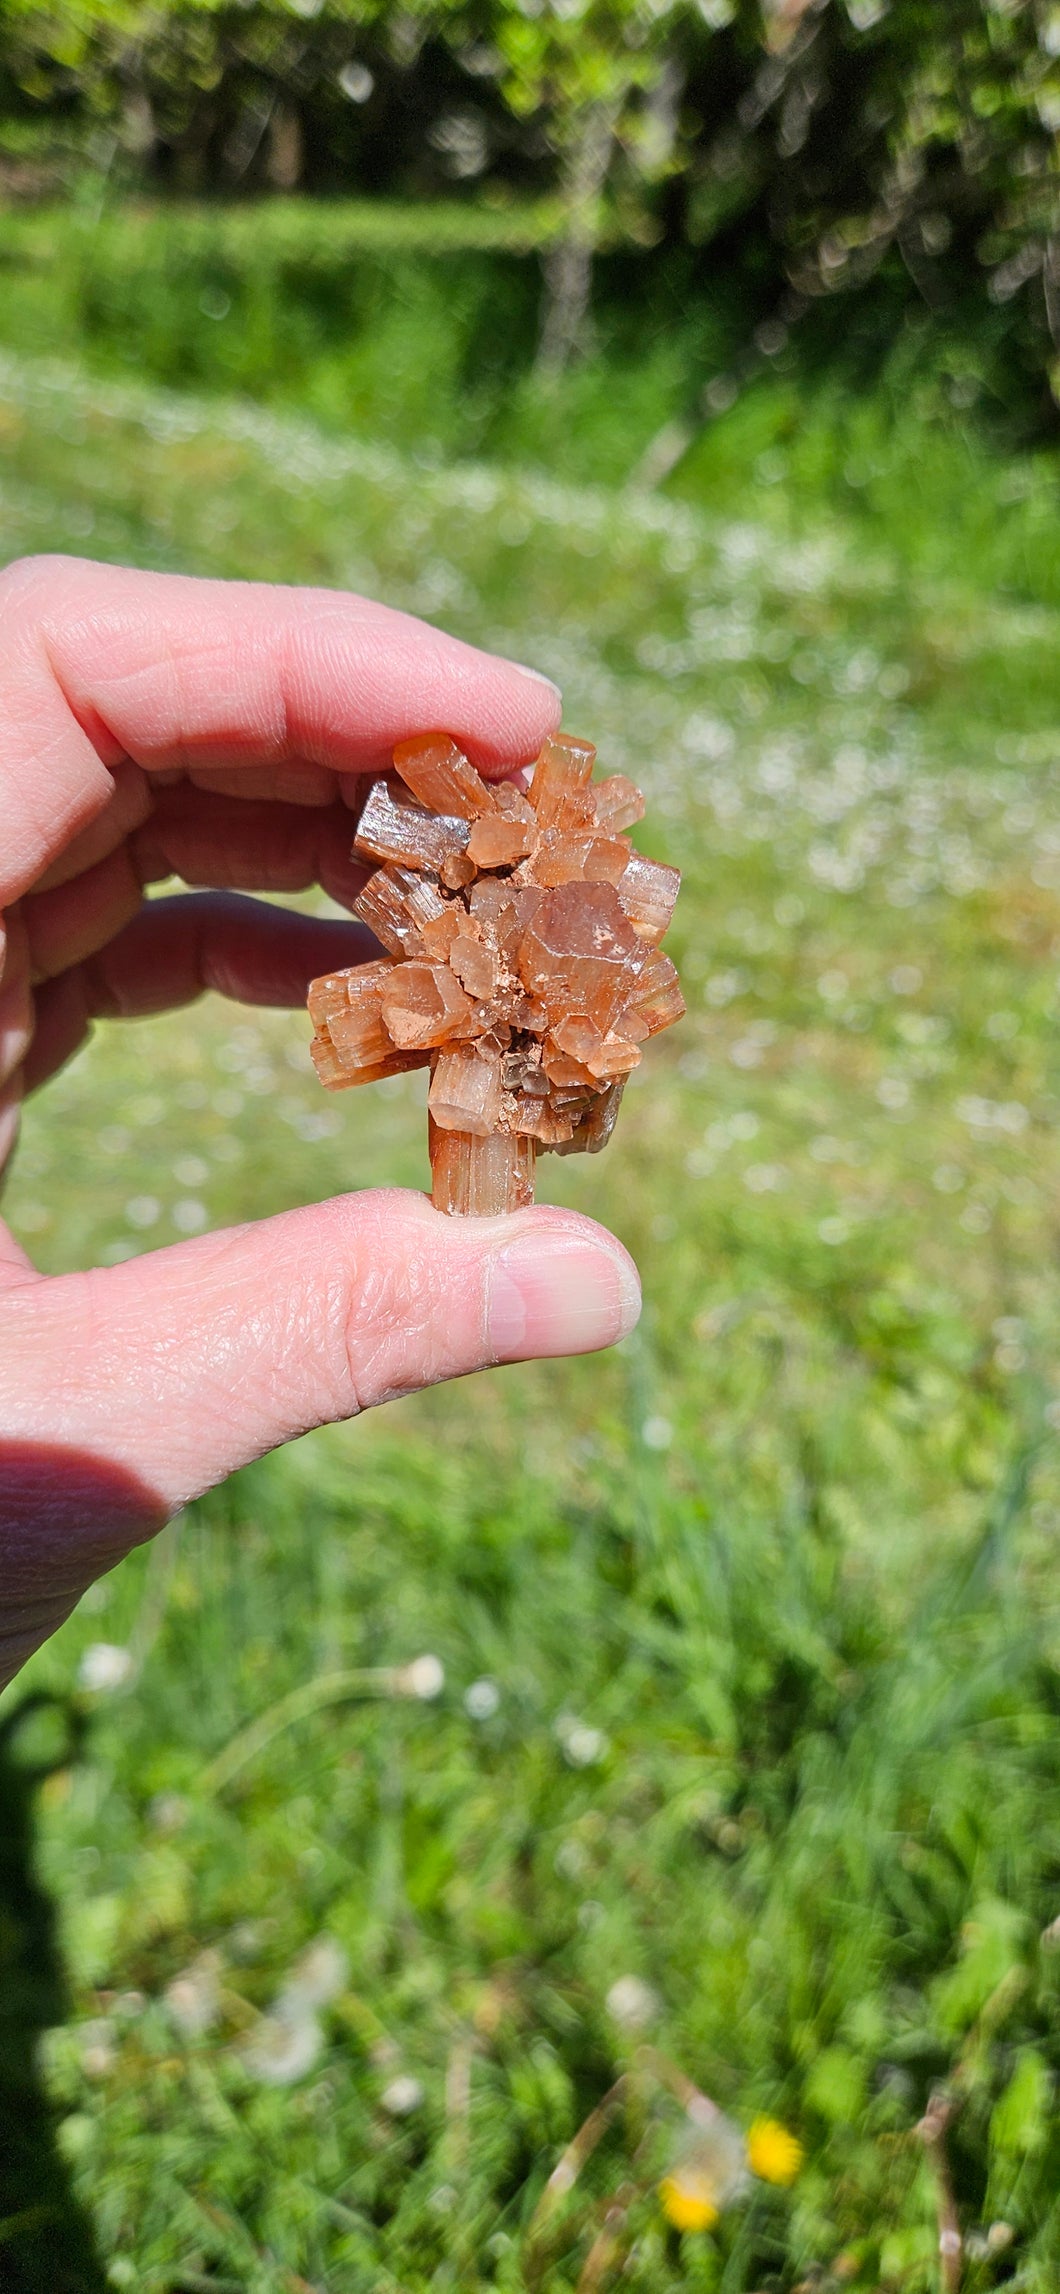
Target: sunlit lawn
{"points": [[749, 1633]]}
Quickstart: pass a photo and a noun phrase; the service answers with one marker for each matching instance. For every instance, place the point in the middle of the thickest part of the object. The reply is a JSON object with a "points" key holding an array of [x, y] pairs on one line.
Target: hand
{"points": [[152, 726]]}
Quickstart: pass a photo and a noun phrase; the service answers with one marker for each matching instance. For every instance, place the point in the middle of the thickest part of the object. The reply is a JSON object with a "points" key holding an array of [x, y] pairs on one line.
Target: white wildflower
{"points": [[424, 1678], [317, 1977], [765, 1178], [168, 1812], [143, 1211], [282, 2049], [104, 1666], [633, 2003], [404, 2095], [193, 1997], [583, 1746], [482, 1700], [892, 1091], [975, 1219], [190, 1216]]}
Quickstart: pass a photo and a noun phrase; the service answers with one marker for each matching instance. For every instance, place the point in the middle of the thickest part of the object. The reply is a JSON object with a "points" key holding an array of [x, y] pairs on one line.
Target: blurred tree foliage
{"points": [[906, 149]]}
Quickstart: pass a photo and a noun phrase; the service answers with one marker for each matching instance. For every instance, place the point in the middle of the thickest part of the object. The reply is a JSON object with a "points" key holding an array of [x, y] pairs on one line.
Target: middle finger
{"points": [[217, 842]]}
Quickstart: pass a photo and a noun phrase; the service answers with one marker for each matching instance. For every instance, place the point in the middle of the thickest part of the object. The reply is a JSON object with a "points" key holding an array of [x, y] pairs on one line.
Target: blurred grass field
{"points": [[750, 1632]]}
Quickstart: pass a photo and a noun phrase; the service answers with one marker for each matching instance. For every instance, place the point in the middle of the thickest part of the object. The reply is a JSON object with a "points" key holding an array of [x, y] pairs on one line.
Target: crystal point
{"points": [[476, 966], [563, 771], [404, 832], [398, 905], [339, 992], [423, 1005], [465, 1093], [441, 777], [584, 859], [658, 1001], [648, 891], [580, 953], [481, 1178], [595, 1129], [498, 842], [618, 804]]}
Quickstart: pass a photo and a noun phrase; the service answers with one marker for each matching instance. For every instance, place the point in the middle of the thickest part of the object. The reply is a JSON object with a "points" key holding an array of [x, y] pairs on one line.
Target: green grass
{"points": [[768, 1598], [414, 323]]}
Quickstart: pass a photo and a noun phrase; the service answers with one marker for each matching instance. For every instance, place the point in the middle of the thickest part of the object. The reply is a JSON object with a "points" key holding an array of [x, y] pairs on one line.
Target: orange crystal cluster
{"points": [[522, 961]]}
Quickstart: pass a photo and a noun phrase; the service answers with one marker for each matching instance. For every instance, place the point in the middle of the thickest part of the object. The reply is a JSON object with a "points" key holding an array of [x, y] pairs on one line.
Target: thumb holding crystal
{"points": [[171, 1370], [190, 1361]]}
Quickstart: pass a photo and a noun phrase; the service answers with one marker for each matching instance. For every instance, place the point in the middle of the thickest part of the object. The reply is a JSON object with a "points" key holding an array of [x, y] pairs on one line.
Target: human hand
{"points": [[155, 726]]}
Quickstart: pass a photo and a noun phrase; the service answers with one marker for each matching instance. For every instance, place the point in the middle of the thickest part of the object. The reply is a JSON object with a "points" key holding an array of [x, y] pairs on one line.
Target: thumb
{"points": [[191, 1361]]}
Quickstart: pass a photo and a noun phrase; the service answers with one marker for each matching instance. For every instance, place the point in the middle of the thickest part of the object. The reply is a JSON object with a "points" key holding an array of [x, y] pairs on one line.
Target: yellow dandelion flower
{"points": [[686, 2204], [773, 2154], [708, 2172]]}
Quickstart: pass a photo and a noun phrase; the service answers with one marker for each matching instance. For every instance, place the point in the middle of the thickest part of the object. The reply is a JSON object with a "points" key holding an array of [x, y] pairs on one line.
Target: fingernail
{"points": [[551, 1294], [538, 676]]}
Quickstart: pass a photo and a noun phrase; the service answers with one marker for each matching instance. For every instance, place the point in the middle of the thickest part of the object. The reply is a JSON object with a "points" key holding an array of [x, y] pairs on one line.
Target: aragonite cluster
{"points": [[522, 961]]}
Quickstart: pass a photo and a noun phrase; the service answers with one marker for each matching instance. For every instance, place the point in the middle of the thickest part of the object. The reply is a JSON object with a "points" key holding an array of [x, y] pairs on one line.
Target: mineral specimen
{"points": [[522, 963]]}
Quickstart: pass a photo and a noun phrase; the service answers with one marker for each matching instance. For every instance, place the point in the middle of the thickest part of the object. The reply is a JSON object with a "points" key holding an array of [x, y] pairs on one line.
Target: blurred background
{"points": [[463, 1795]]}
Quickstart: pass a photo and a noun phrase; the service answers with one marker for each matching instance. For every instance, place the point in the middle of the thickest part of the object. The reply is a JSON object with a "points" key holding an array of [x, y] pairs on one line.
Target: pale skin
{"points": [[152, 726]]}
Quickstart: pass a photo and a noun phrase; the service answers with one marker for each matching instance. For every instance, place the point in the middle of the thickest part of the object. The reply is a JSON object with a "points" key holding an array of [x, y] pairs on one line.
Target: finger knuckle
{"points": [[25, 581], [396, 1317]]}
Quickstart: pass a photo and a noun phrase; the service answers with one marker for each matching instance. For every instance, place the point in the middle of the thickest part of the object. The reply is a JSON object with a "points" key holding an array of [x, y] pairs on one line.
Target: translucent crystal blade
{"points": [[359, 1037], [581, 954], [616, 1056], [565, 1072], [577, 1036], [329, 1067], [563, 771], [658, 1002], [421, 894], [585, 859], [465, 1093], [346, 1010], [456, 871], [529, 1012], [536, 1119], [496, 842], [503, 910], [632, 1026], [648, 892], [481, 1178], [512, 802], [618, 804], [595, 1129], [602, 1117], [476, 967], [441, 777], [335, 1077], [423, 1005], [389, 831], [439, 932], [395, 904], [337, 992]]}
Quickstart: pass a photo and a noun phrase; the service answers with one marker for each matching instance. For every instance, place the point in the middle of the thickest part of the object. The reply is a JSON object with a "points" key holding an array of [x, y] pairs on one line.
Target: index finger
{"points": [[103, 663]]}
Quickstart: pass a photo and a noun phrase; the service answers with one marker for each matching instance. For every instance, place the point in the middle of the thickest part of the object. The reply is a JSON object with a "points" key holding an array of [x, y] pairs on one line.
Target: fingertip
{"points": [[559, 1285], [535, 1284], [538, 677]]}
